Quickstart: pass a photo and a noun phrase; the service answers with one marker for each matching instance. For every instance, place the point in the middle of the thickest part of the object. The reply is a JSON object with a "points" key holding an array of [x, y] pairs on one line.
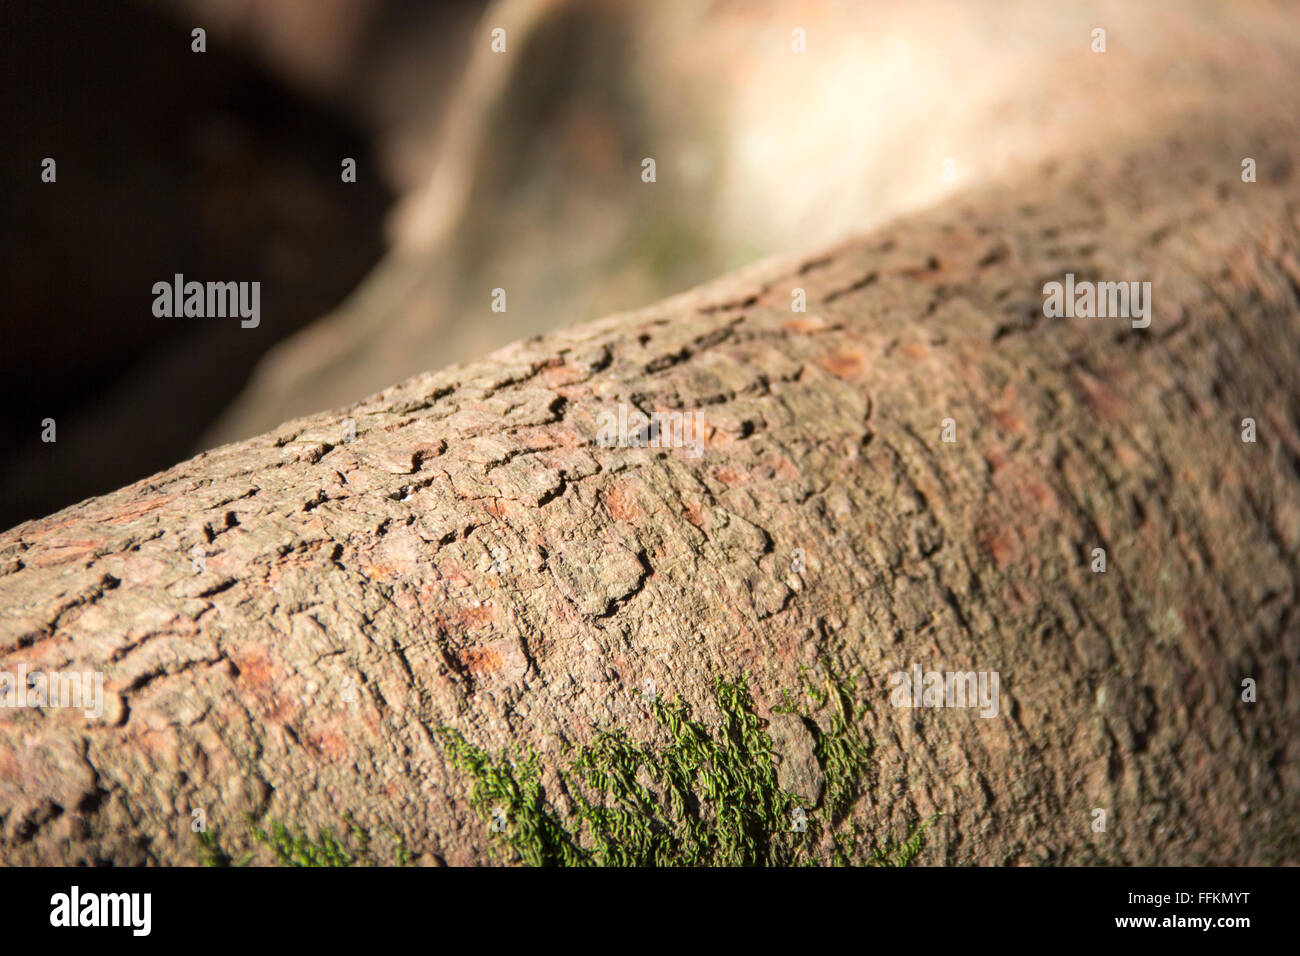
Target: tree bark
{"points": [[476, 558]]}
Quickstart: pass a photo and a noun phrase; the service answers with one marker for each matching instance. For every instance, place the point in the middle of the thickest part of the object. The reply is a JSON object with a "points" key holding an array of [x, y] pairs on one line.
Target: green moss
{"points": [[700, 796], [842, 752], [511, 791], [210, 851], [294, 847], [298, 849], [703, 798], [901, 854]]}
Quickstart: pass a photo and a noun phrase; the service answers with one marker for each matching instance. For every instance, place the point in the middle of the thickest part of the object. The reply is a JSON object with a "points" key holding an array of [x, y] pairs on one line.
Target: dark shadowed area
{"points": [[167, 161]]}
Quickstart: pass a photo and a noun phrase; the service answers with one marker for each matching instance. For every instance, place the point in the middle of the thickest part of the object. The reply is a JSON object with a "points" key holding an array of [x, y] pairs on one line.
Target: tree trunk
{"points": [[283, 623]]}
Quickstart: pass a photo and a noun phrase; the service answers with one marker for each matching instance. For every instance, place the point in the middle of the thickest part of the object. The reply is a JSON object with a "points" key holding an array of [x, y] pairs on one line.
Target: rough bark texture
{"points": [[331, 562]]}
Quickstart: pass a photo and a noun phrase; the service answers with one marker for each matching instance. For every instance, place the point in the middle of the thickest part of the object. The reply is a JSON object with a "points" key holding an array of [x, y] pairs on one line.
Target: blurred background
{"points": [[774, 125]]}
